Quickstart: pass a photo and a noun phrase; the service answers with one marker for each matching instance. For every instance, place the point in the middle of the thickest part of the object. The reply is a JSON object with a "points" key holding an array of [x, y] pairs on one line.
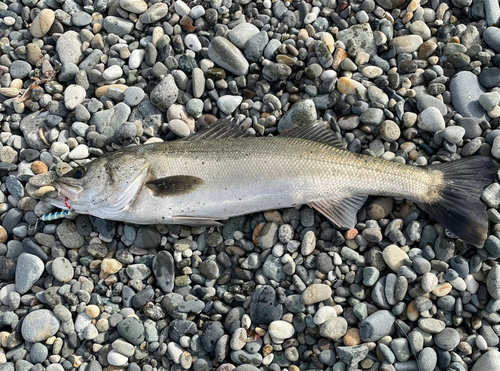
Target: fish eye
{"points": [[79, 173]]}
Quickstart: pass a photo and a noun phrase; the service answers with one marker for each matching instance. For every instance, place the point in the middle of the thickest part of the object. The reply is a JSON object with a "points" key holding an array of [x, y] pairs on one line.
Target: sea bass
{"points": [[221, 173]]}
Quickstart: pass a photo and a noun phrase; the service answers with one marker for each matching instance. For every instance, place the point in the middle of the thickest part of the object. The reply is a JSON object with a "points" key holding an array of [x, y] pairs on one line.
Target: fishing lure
{"points": [[52, 216]]}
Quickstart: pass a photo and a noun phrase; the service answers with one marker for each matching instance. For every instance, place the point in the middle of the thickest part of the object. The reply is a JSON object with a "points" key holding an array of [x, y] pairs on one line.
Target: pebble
{"points": [[62, 269], [29, 269], [333, 328], [394, 257], [465, 92], [42, 23], [280, 331], [431, 120], [73, 96], [228, 56], [488, 361], [316, 293], [493, 282], [39, 325], [376, 326]]}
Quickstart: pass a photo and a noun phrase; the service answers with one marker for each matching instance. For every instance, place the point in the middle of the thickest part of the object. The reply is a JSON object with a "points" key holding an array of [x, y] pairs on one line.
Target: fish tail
{"points": [[458, 206]]}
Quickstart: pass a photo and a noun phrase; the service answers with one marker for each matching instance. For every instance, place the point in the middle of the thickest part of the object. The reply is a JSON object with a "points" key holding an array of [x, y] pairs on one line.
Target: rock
{"points": [[377, 325], [132, 330], [165, 93], [407, 43], [110, 266], [117, 25], [69, 47], [42, 23], [431, 120], [276, 71], [29, 269], [164, 271], [228, 56], [488, 361], [333, 328], [212, 333], [116, 359], [362, 36], [73, 96], [316, 293], [349, 86], [492, 37], [229, 103], [264, 306], [280, 331], [303, 111], [427, 359], [493, 282], [62, 270], [448, 339], [69, 236], [39, 325], [241, 33], [154, 13], [19, 69], [134, 6], [490, 77], [465, 92], [390, 4]]}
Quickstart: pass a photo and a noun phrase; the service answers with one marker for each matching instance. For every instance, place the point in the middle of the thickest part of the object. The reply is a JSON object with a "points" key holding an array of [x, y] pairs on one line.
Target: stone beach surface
{"points": [[415, 82]]}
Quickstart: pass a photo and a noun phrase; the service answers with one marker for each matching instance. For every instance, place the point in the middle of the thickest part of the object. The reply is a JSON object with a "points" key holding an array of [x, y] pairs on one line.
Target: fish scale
{"points": [[254, 174]]}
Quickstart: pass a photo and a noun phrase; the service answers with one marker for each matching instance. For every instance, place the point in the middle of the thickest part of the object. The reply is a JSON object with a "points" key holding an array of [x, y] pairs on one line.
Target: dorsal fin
{"points": [[223, 128], [341, 211], [316, 131]]}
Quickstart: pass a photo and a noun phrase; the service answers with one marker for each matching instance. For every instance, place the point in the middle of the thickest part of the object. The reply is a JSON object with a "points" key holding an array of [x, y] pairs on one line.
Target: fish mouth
{"points": [[70, 191]]}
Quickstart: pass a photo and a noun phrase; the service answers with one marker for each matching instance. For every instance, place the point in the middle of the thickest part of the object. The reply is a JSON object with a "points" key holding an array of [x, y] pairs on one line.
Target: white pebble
{"points": [[112, 73], [73, 96], [181, 8], [472, 284], [9, 21], [481, 342], [197, 11], [117, 359], [136, 58], [80, 152], [82, 321], [323, 314], [281, 330], [192, 42]]}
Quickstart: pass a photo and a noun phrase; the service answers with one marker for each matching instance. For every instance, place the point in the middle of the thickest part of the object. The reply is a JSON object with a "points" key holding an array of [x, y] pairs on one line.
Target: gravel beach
{"points": [[415, 82]]}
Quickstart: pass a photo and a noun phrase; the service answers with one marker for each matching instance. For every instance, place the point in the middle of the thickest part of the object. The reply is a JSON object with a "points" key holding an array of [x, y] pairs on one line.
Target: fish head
{"points": [[104, 187]]}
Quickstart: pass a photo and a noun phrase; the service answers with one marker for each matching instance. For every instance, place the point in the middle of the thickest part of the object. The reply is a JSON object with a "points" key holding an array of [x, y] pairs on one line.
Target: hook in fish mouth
{"points": [[68, 191]]}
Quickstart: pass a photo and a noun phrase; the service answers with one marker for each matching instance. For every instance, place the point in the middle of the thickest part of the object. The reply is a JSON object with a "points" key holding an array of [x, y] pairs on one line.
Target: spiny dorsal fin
{"points": [[174, 185], [341, 211], [316, 131], [223, 128]]}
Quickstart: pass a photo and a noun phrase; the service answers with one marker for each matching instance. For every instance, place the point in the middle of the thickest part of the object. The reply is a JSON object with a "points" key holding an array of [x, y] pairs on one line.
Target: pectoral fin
{"points": [[341, 211], [197, 221], [174, 185]]}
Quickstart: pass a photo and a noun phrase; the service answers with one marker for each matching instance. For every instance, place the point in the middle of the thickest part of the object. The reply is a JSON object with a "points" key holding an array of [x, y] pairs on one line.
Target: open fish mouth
{"points": [[70, 191]]}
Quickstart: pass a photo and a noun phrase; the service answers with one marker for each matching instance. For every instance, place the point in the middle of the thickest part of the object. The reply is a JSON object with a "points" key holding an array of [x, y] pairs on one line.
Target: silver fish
{"points": [[220, 173]]}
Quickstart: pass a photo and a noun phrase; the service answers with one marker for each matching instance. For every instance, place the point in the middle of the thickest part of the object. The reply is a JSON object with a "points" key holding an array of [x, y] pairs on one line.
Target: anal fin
{"points": [[198, 221], [341, 211]]}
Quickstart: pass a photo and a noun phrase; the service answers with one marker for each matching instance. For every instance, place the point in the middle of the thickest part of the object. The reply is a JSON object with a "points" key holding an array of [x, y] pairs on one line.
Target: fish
{"points": [[223, 172]]}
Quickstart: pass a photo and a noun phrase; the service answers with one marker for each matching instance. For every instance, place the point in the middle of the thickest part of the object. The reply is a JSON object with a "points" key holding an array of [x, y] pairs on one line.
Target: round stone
{"points": [[39, 325], [333, 328], [431, 120], [228, 56], [448, 339], [281, 330], [488, 361], [29, 269], [62, 270], [316, 293], [42, 23], [390, 131]]}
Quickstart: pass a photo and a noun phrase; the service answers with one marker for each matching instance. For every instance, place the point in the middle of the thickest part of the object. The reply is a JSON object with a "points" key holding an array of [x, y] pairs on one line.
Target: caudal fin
{"points": [[460, 208]]}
